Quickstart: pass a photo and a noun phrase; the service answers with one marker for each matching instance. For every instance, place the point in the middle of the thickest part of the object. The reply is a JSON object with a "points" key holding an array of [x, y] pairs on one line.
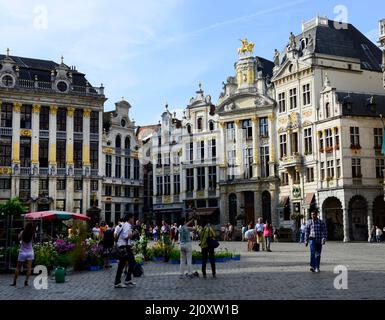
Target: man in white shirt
{"points": [[259, 228], [124, 243]]}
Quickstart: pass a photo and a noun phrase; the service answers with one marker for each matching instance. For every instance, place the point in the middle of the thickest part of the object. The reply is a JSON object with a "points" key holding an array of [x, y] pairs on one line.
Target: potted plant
{"points": [[175, 256], [197, 257], [45, 255]]}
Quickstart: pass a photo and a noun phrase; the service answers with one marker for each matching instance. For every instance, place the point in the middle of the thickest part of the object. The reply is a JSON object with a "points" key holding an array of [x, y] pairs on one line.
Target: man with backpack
{"points": [[123, 236]]}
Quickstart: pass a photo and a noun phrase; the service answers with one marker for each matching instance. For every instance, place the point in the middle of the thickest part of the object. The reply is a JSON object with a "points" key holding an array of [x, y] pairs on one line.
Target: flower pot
{"points": [[60, 275]]}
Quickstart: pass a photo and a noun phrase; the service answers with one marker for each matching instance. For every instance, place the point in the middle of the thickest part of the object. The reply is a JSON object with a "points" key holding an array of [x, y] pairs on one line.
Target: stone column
{"points": [[256, 160], [221, 144], [370, 219], [52, 155], [257, 205], [35, 153], [240, 203], [223, 207], [346, 224], [86, 160], [239, 148], [15, 187], [272, 142], [69, 204]]}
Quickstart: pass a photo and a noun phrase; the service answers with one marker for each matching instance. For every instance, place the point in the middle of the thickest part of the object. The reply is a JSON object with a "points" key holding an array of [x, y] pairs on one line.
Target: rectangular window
{"points": [[94, 155], [355, 136], [330, 169], [108, 190], [6, 115], [107, 208], [322, 170], [356, 168], [127, 191], [321, 142], [176, 184], [230, 132], [190, 152], [329, 138], [380, 166], [166, 159], [201, 173], [25, 184], [61, 120], [231, 163], [5, 184], [212, 149], [78, 154], [78, 185], [108, 166], [308, 141], [339, 174], [44, 118], [26, 117], [118, 191], [43, 153], [284, 179], [264, 127], [61, 153], [118, 208], [248, 161], [167, 185], [60, 184], [306, 94], [201, 150], [78, 120], [282, 102], [283, 145], [190, 180], [296, 178], [127, 168], [5, 151], [309, 175], [293, 98], [337, 138], [136, 169], [378, 135], [136, 192], [43, 185], [247, 129], [25, 152], [212, 178], [176, 159], [159, 186], [294, 143], [94, 185], [94, 122], [265, 159], [118, 167], [159, 160]]}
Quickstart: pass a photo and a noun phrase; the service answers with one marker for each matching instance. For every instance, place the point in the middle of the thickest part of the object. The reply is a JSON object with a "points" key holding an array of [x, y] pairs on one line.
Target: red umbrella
{"points": [[55, 215]]}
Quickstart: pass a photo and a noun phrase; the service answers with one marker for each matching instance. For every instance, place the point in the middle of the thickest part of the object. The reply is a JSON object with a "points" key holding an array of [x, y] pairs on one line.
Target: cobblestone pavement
{"points": [[281, 274]]}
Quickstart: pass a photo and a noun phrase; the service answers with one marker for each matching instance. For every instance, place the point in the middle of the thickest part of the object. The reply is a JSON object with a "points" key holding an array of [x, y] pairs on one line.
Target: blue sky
{"points": [[155, 51]]}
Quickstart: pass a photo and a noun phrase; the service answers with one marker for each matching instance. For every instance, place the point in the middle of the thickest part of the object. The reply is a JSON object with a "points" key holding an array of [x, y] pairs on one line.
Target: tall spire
{"points": [[62, 59], [7, 52]]}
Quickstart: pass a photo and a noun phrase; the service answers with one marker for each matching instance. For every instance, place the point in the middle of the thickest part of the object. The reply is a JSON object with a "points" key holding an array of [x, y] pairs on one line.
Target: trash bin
{"points": [[60, 275]]}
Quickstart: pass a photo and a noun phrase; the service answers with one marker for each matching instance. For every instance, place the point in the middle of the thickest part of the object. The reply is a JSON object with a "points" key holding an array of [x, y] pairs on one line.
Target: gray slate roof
{"points": [[360, 104]]}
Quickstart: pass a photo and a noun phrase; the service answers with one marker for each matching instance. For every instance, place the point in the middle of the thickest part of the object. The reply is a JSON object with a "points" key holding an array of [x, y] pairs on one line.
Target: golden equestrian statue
{"points": [[246, 47]]}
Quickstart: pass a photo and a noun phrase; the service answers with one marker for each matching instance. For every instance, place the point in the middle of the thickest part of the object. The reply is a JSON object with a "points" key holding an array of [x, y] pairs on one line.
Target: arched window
{"points": [[188, 128], [327, 109], [200, 124], [127, 143], [211, 125], [118, 142]]}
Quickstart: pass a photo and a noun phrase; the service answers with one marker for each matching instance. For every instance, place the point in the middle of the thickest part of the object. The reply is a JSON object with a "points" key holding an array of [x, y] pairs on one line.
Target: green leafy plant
{"points": [[46, 255], [13, 207], [175, 255]]}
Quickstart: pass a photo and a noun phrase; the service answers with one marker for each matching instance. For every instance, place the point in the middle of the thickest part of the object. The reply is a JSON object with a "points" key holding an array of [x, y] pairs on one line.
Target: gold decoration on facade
{"points": [[5, 170], [17, 106], [87, 113], [53, 110], [247, 47], [25, 133], [16, 152], [86, 155], [307, 113], [35, 153], [108, 150], [36, 108], [70, 112]]}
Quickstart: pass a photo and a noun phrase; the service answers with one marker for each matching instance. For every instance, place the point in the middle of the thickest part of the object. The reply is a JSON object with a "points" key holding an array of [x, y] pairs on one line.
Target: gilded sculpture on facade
{"points": [[247, 47]]}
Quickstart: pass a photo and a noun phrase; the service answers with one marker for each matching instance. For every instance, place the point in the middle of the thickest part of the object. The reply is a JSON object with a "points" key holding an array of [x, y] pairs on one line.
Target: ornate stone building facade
{"points": [[51, 124], [123, 172]]}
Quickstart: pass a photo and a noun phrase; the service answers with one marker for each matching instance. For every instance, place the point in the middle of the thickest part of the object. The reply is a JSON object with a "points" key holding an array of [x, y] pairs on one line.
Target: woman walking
{"points": [[205, 233], [26, 254], [268, 234], [185, 248]]}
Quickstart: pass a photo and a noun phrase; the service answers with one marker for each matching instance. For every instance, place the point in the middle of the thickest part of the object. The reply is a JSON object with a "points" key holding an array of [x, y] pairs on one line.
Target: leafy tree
{"points": [[13, 207]]}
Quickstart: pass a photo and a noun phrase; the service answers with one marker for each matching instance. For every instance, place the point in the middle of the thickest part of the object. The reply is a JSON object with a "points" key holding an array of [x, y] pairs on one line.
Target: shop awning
{"points": [[283, 201], [309, 199], [205, 211], [167, 211]]}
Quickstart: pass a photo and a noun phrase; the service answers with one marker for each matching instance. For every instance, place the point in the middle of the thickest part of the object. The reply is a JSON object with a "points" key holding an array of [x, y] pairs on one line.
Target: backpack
{"points": [[138, 271]]}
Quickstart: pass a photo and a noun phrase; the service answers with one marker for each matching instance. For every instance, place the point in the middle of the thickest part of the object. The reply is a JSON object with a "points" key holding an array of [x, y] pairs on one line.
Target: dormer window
{"points": [[200, 124], [211, 125], [188, 127], [327, 111], [127, 143], [118, 142]]}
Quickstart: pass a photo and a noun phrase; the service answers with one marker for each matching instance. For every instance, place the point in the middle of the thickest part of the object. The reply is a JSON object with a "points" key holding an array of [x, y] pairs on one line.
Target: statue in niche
{"points": [[292, 41], [276, 57]]}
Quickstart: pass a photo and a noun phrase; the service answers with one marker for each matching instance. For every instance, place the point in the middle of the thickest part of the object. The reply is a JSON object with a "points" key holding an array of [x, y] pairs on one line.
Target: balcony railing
{"points": [[61, 135], [48, 86], [176, 198], [44, 133], [61, 171], [78, 135], [6, 132], [94, 172], [78, 171], [289, 161], [25, 171], [127, 152], [94, 136], [189, 194], [43, 171]]}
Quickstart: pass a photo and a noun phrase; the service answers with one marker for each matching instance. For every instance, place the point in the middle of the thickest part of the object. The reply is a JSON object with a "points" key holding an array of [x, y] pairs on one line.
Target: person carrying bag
{"points": [[208, 245]]}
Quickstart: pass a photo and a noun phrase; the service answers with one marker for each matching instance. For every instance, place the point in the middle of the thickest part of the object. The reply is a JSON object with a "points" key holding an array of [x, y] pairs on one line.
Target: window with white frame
{"points": [[282, 102], [338, 165], [248, 160], [327, 111], [201, 175], [264, 127], [283, 145], [167, 185], [212, 178], [212, 149], [330, 169], [230, 132], [159, 186], [284, 179], [329, 138], [380, 166], [294, 143], [322, 170], [337, 138], [176, 159], [293, 98], [189, 152], [265, 159], [200, 124], [356, 168], [378, 136], [309, 175], [176, 183], [190, 180], [308, 137], [355, 136], [231, 157], [166, 159], [306, 94], [201, 150], [247, 129]]}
